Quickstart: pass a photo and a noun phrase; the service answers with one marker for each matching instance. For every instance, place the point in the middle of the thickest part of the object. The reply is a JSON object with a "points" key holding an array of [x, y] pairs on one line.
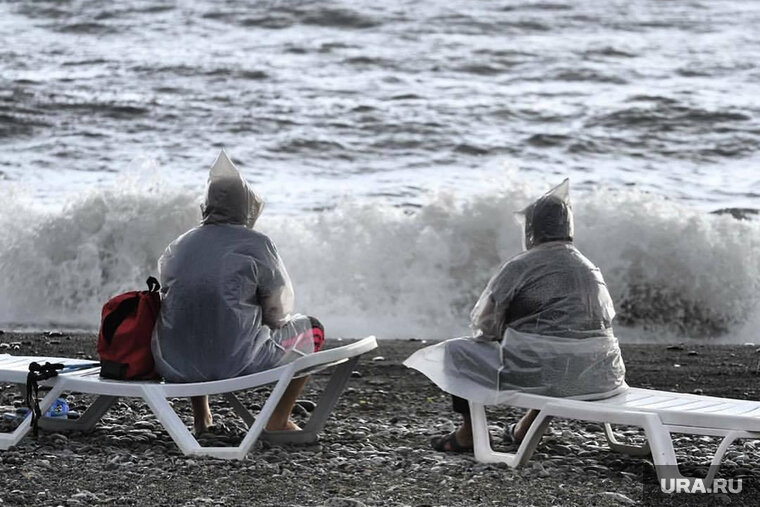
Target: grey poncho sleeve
{"points": [[487, 318], [275, 290]]}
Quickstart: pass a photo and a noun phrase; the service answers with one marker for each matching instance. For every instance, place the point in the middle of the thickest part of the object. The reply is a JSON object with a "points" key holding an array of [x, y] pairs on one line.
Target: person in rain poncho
{"points": [[542, 325], [226, 300]]}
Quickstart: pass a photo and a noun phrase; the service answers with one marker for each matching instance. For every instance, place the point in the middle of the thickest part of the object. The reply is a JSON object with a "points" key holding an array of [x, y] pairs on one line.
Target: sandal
{"points": [[509, 434], [448, 443]]}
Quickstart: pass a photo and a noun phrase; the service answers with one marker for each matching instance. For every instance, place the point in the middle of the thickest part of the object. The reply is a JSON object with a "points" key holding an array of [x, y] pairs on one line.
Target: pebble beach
{"points": [[375, 449]]}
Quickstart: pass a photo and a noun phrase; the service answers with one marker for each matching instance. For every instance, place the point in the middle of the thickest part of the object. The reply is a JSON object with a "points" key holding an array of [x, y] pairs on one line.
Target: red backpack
{"points": [[126, 326]]}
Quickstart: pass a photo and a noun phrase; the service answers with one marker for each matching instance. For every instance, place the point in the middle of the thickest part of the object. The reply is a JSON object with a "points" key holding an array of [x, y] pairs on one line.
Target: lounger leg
{"points": [[533, 438], [482, 442], [325, 405], [254, 431], [9, 439], [663, 453], [329, 399], [661, 444], [155, 397], [86, 421], [316, 423], [719, 453], [240, 409], [615, 445]]}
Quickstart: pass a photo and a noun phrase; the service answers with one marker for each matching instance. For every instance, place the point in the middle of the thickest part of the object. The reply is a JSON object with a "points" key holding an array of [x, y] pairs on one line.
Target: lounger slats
{"points": [[630, 396], [685, 409], [648, 401], [23, 362], [14, 369], [672, 404], [698, 408], [755, 412], [742, 409], [717, 408]]}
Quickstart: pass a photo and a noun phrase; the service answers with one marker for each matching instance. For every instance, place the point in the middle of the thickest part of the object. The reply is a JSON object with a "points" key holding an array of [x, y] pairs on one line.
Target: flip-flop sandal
{"points": [[509, 434], [440, 444]]}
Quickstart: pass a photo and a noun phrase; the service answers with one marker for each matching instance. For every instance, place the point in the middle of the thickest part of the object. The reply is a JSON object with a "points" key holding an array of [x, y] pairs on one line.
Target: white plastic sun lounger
{"points": [[157, 395], [659, 413]]}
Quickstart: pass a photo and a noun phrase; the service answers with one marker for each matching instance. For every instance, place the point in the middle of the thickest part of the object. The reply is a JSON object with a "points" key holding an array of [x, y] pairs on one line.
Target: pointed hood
{"points": [[229, 199], [550, 218]]}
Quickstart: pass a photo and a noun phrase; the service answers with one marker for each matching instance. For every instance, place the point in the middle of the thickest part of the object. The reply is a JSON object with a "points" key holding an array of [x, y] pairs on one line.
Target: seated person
{"points": [[226, 300], [543, 325]]}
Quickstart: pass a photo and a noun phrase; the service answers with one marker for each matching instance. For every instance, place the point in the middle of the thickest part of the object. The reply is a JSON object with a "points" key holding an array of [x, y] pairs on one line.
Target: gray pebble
{"points": [[343, 502]]}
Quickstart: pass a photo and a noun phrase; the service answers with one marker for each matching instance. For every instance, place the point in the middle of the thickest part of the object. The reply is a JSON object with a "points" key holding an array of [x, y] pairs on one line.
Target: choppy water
{"points": [[416, 127]]}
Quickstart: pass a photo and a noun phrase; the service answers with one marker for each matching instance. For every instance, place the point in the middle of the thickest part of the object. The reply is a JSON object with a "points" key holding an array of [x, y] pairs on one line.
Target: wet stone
{"points": [[562, 449], [308, 405], [299, 410]]}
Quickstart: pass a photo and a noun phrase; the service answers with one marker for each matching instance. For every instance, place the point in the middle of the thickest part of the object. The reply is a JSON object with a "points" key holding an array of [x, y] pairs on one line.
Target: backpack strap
{"points": [[153, 285], [36, 373], [116, 317]]}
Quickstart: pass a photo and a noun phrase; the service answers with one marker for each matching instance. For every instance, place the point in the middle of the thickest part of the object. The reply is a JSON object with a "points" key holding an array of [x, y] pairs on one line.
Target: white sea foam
{"points": [[364, 267]]}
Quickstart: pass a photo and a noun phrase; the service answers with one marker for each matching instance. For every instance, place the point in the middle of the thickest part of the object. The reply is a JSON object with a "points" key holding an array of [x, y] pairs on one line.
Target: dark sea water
{"points": [[392, 141]]}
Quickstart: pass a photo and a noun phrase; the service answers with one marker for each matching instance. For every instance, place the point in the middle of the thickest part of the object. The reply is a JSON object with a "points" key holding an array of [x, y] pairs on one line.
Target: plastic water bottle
{"points": [[59, 409]]}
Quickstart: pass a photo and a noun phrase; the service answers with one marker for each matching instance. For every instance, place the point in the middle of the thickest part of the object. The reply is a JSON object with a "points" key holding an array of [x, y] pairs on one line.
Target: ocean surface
{"points": [[392, 142]]}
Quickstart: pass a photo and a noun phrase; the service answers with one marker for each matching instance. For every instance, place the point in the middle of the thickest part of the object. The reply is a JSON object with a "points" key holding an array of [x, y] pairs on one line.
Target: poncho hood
{"points": [[549, 218], [229, 198]]}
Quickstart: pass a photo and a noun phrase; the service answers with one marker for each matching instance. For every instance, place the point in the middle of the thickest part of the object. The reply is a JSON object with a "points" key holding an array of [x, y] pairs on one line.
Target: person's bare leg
{"points": [[522, 426], [462, 438], [462, 435], [464, 432], [280, 418], [201, 414]]}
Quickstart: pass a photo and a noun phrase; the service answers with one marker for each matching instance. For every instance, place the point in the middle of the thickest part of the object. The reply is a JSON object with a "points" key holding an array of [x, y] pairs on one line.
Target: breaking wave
{"points": [[365, 267]]}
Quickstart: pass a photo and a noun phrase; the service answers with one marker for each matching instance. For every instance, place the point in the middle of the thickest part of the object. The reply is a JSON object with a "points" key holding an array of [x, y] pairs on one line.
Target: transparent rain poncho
{"points": [[226, 297], [542, 325]]}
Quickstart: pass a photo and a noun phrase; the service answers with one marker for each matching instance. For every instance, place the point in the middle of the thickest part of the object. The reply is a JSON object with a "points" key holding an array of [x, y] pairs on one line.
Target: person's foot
{"points": [[202, 423], [288, 426], [453, 442]]}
